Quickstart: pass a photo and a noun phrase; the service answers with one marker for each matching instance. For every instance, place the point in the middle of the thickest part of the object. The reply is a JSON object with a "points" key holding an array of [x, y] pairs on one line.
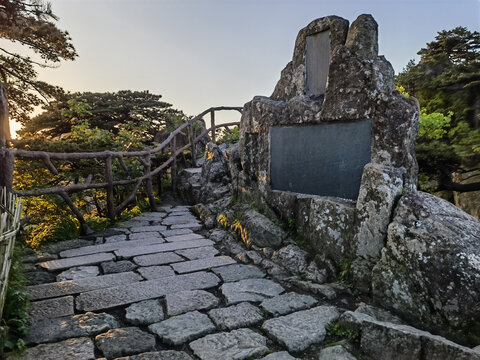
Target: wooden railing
{"points": [[144, 157], [10, 212]]}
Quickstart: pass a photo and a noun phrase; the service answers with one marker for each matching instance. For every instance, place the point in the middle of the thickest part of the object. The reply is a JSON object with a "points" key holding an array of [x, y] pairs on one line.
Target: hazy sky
{"points": [[203, 53]]}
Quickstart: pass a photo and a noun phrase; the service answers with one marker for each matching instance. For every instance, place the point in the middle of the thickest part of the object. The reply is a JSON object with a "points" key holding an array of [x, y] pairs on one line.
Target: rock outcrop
{"points": [[429, 271]]}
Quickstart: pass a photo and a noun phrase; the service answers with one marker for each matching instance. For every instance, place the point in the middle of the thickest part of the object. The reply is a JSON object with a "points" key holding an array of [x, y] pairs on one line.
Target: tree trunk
{"points": [[6, 160]]}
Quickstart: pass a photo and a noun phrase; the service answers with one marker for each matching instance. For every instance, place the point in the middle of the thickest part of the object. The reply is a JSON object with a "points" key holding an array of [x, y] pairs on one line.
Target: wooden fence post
{"points": [[192, 142], [148, 170], [212, 120], [109, 180], [6, 159], [173, 169]]}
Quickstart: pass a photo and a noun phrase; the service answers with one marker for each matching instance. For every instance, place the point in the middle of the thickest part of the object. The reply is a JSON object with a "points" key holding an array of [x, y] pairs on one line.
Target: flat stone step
{"points": [[112, 246], [237, 272], [123, 295], [143, 250], [76, 348], [62, 264], [202, 264], [198, 253], [157, 259], [168, 233], [147, 228], [236, 344], [70, 287], [193, 226], [250, 290], [50, 330], [155, 272], [185, 301], [51, 308], [182, 328], [175, 220], [185, 237], [301, 329]]}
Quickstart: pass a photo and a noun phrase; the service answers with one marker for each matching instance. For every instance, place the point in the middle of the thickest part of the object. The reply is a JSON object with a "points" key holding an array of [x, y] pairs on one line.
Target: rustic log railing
{"points": [[10, 212], [144, 157]]}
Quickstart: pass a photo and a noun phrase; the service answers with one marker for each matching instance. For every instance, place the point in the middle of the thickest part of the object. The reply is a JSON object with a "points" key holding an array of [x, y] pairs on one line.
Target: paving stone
{"points": [[69, 287], [150, 289], [79, 349], [175, 220], [236, 344], [51, 330], [159, 355], [184, 237], [337, 352], [124, 341], [282, 355], [167, 233], [144, 235], [113, 267], [202, 264], [181, 213], [111, 246], [180, 208], [182, 328], [61, 264], [237, 272], [288, 303], [39, 277], [250, 290], [144, 312], [78, 272], [115, 238], [142, 250], [198, 253], [155, 272], [147, 228], [152, 215], [51, 308], [57, 247], [136, 223], [194, 226], [157, 259], [38, 257], [236, 316], [185, 301], [301, 329], [120, 230]]}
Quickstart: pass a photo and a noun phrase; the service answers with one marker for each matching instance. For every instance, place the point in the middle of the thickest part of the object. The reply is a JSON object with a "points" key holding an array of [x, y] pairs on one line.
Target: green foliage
{"points": [[446, 82], [346, 265], [106, 111], [229, 136], [30, 23], [15, 311], [434, 126], [334, 329]]}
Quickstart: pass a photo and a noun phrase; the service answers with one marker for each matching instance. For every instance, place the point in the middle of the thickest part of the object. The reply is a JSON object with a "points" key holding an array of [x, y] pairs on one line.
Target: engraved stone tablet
{"points": [[317, 62], [324, 160]]}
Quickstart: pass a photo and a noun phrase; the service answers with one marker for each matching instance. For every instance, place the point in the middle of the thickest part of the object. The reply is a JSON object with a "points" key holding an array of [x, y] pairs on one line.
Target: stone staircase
{"points": [[160, 288]]}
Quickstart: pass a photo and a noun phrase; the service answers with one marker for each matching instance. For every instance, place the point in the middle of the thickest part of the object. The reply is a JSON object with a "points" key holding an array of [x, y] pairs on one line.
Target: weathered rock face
{"points": [[211, 182], [359, 87], [429, 271]]}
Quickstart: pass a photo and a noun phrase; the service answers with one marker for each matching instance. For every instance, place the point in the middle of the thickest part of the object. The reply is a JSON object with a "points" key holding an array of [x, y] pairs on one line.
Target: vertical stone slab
{"points": [[317, 62], [380, 190]]}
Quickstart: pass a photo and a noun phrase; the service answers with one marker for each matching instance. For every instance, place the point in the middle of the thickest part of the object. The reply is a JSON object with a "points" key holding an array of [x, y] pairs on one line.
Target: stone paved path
{"points": [[157, 288]]}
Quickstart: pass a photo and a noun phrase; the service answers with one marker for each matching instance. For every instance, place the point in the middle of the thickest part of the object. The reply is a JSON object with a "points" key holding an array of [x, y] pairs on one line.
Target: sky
{"points": [[203, 53]]}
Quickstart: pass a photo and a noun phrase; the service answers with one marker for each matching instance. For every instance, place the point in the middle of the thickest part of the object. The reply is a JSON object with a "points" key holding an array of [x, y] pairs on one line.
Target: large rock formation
{"points": [[359, 87], [429, 271]]}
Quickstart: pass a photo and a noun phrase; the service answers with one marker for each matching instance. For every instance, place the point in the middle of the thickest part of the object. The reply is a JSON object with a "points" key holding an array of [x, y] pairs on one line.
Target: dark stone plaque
{"points": [[324, 160], [317, 62]]}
